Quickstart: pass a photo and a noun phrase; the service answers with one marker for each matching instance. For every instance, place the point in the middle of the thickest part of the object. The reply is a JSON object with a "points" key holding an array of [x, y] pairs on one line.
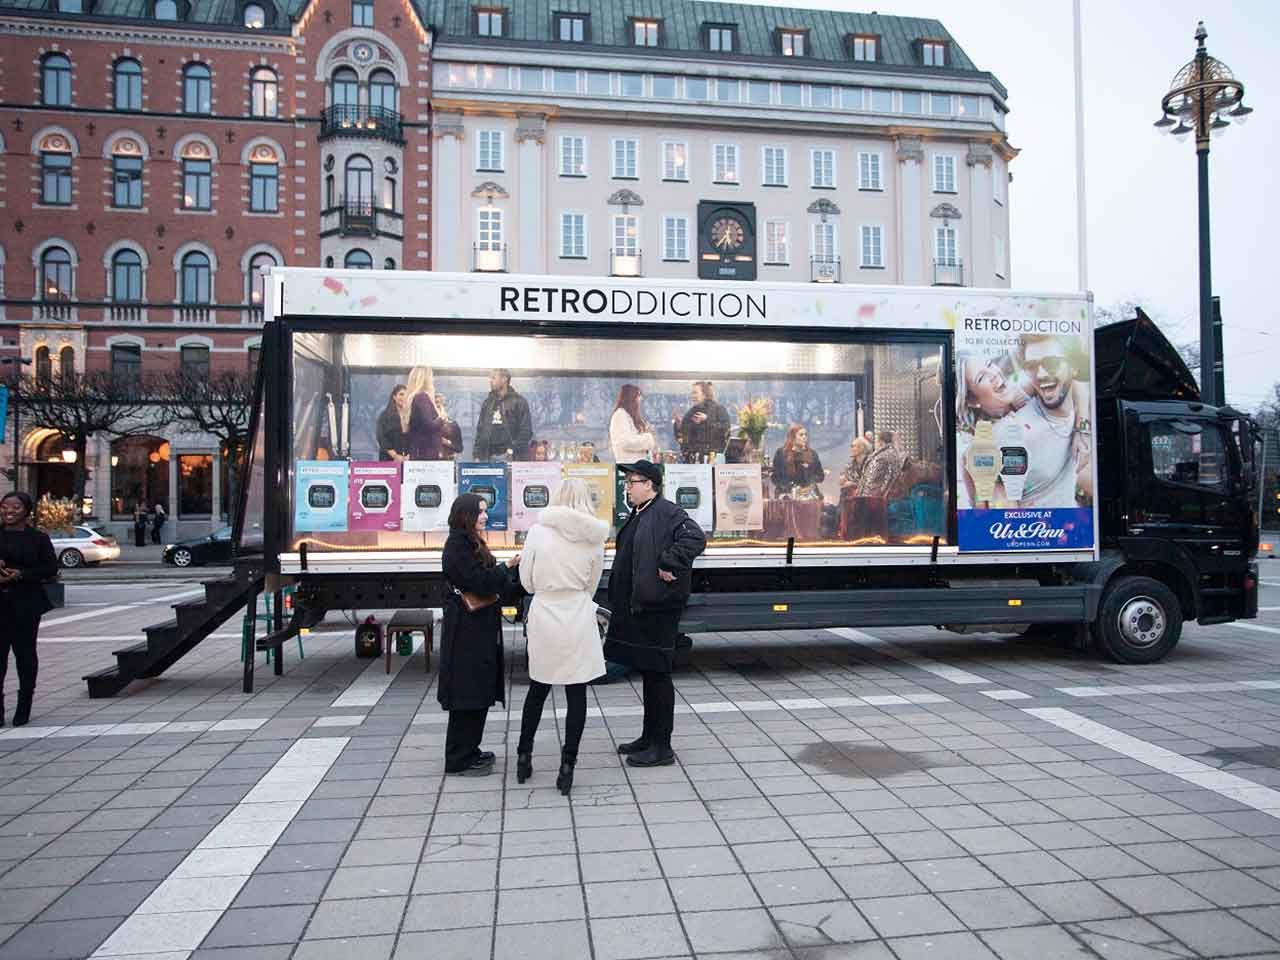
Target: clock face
{"points": [[727, 233]]}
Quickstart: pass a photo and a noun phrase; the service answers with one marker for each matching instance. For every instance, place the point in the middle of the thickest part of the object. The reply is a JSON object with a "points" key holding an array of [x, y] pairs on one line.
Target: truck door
{"points": [[1190, 491]]}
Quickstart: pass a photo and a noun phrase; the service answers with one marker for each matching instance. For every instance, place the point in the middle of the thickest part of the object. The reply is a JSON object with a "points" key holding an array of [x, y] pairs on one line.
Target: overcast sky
{"points": [[1140, 185]]}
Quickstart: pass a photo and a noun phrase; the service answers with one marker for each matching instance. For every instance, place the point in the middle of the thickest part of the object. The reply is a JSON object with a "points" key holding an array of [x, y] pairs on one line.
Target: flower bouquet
{"points": [[753, 419]]}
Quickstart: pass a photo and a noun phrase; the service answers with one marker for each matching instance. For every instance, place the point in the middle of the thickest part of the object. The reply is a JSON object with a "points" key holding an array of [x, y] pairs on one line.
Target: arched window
{"points": [[55, 170], [166, 10], [259, 263], [389, 193], [196, 278], [328, 263], [126, 173], [44, 367], [55, 80], [55, 274], [383, 92], [127, 76], [358, 260], [265, 90], [66, 364], [264, 180], [328, 192], [126, 277], [359, 180], [344, 88], [255, 16], [388, 264], [197, 89], [197, 176]]}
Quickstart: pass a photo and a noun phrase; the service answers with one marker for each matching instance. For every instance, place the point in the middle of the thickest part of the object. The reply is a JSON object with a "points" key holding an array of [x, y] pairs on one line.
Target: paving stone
{"points": [[1229, 888], [783, 855], [920, 845], [537, 871], [356, 918], [543, 941], [64, 940], [626, 938], [818, 924], [384, 881], [259, 925], [445, 911], [625, 865], [1150, 895], [295, 857], [991, 908], [960, 873], [638, 898], [22, 904], [697, 861], [779, 888], [366, 948], [281, 889], [456, 876], [908, 916], [470, 944], [1217, 934], [87, 901], [123, 867], [953, 946], [725, 930], [1173, 856], [1035, 866], [1043, 943], [876, 880]]}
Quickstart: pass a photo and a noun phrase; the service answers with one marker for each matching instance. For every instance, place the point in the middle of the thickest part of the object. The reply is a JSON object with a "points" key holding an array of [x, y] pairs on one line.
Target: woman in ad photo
{"points": [[425, 426], [393, 426], [796, 467], [630, 436]]}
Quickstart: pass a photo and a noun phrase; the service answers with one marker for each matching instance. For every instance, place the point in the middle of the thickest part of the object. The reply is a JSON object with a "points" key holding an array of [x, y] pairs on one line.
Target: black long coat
{"points": [[472, 675], [30, 551]]}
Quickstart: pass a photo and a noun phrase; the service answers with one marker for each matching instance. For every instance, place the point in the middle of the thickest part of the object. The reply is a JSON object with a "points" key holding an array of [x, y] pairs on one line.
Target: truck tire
{"points": [[1139, 620]]}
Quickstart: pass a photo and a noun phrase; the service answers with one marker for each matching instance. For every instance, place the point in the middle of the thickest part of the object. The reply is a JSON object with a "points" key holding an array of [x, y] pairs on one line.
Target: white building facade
{"points": [[717, 141]]}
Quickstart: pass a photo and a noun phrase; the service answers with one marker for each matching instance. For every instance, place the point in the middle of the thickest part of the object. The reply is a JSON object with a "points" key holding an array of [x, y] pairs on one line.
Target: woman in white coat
{"points": [[631, 438], [561, 565]]}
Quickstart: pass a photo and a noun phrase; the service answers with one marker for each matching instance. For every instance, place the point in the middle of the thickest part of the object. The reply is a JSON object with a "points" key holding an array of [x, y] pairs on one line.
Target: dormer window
{"points": [[166, 9], [793, 43], [572, 27], [255, 16], [933, 53], [864, 47], [721, 37], [489, 22], [645, 32], [68, 6]]}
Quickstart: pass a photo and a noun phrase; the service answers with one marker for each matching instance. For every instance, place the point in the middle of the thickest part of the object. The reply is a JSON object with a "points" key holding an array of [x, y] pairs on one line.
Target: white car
{"points": [[83, 545]]}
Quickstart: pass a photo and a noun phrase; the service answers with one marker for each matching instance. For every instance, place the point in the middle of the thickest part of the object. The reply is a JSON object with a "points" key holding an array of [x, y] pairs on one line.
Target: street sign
{"points": [[4, 409]]}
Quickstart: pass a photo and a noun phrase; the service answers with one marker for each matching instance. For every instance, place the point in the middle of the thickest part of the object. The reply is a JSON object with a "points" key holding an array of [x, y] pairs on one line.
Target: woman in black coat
{"points": [[472, 678], [27, 560], [393, 441]]}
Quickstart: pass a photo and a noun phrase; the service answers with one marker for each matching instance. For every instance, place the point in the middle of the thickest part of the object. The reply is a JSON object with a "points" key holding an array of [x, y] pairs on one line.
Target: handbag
{"points": [[473, 602]]}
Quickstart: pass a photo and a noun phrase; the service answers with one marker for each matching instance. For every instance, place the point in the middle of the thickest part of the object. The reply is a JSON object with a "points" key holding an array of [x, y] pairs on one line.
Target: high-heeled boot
{"points": [[564, 782], [1, 709], [23, 711], [524, 767]]}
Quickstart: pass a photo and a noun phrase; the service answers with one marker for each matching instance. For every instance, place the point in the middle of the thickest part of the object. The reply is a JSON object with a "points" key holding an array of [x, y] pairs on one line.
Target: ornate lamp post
{"points": [[1203, 94]]}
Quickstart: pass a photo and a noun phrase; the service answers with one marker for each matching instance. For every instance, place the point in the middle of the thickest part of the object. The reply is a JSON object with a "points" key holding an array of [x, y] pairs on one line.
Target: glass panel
{"points": [[912, 101], [758, 91], [1189, 452], [600, 84], [820, 97], [791, 418], [882, 101], [531, 78], [633, 85], [727, 91], [195, 484], [139, 474], [790, 94], [664, 86], [565, 81], [695, 88], [851, 98], [967, 107]]}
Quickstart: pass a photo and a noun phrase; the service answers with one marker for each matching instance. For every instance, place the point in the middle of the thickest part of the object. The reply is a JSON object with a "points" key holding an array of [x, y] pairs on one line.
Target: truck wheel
{"points": [[1139, 620]]}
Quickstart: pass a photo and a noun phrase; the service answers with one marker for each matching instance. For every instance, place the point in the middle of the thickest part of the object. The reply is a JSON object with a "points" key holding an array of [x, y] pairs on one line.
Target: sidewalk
{"points": [[140, 563]]}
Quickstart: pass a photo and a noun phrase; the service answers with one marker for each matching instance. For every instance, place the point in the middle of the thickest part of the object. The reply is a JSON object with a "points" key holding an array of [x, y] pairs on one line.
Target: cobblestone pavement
{"points": [[840, 794]]}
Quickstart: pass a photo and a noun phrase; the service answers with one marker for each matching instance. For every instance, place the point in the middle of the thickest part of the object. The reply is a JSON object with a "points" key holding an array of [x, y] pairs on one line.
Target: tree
{"points": [[79, 405], [218, 405]]}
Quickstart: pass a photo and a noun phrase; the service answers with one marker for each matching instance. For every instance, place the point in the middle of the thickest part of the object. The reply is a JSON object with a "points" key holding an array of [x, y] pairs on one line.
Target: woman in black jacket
{"points": [[472, 678], [26, 561], [393, 443]]}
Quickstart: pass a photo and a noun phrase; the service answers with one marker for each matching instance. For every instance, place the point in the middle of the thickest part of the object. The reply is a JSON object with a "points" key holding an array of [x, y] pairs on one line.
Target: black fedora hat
{"points": [[650, 471]]}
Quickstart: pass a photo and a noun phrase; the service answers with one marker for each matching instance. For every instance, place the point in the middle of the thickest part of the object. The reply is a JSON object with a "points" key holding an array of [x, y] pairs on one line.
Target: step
{"points": [[106, 683]]}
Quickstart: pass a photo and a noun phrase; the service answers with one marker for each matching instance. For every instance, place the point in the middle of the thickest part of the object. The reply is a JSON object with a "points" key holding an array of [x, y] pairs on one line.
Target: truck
{"points": [[872, 456]]}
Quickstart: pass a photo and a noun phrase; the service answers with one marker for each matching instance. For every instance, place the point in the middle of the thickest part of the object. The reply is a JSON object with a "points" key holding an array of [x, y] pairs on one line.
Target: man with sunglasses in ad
{"points": [[1053, 427]]}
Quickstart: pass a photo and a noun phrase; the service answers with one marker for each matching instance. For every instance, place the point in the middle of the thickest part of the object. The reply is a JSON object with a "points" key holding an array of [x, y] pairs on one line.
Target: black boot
{"points": [[564, 782], [1, 709], [635, 746], [524, 767], [23, 712]]}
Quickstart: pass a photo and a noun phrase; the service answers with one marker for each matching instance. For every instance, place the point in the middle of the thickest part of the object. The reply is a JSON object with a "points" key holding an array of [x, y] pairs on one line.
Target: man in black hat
{"points": [[649, 586]]}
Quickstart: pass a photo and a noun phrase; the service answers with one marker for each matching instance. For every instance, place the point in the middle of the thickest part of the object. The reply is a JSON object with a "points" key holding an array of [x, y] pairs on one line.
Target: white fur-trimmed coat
{"points": [[561, 565]]}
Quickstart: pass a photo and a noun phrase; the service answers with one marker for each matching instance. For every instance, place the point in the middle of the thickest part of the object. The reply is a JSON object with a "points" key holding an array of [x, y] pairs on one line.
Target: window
{"points": [[626, 235], [489, 230], [264, 187], [257, 279], [759, 92], [531, 78], [255, 16], [821, 97], [344, 88], [664, 86], [791, 43], [912, 101], [388, 263], [166, 10], [264, 92], [865, 48], [254, 356], [626, 159], [721, 38], [55, 178], [564, 81], [572, 28], [851, 98], [195, 484], [824, 168], [359, 180], [197, 89], [195, 364], [55, 274], [44, 367], [644, 33], [824, 242], [944, 173], [388, 193], [675, 238], [573, 156], [69, 6], [197, 184], [1184, 451], [139, 473], [126, 277], [675, 161], [66, 364], [489, 151], [940, 104], [790, 94], [881, 100], [127, 84], [55, 81], [967, 106], [777, 242], [696, 88], [774, 166], [126, 363], [631, 85], [196, 279], [126, 181], [383, 92], [725, 161], [872, 247], [728, 91], [944, 246], [358, 259], [488, 22], [933, 53], [869, 172], [362, 13], [599, 83], [573, 236]]}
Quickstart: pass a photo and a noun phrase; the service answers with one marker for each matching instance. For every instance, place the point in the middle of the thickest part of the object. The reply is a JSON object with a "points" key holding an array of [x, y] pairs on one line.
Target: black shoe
{"points": [[524, 767], [564, 782], [638, 745], [653, 757], [476, 768], [23, 711], [487, 756]]}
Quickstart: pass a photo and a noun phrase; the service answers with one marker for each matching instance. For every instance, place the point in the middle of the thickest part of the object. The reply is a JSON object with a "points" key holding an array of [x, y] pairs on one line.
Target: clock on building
{"points": [[726, 241]]}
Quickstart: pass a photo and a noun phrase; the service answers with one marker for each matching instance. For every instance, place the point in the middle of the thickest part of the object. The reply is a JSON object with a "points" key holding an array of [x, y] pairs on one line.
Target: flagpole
{"points": [[1082, 267]]}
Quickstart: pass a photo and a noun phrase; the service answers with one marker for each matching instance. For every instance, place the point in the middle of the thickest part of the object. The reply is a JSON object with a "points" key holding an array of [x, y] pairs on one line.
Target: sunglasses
{"points": [[1052, 365]]}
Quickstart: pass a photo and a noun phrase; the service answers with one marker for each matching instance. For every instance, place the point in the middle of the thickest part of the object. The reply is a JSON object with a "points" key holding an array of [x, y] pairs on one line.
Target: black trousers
{"points": [[575, 695], [659, 708], [462, 738], [19, 634]]}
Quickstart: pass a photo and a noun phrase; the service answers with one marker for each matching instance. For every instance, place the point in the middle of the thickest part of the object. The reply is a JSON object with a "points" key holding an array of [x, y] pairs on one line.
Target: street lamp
{"points": [[18, 363], [1201, 98]]}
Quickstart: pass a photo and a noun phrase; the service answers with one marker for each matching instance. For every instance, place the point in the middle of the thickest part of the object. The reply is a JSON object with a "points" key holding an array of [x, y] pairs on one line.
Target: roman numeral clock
{"points": [[726, 241]]}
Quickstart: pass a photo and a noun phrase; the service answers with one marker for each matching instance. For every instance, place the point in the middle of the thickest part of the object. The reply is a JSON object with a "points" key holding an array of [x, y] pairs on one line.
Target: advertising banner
{"points": [[320, 496], [427, 494], [1024, 433], [739, 497], [489, 481], [689, 486], [374, 495], [599, 477], [532, 487]]}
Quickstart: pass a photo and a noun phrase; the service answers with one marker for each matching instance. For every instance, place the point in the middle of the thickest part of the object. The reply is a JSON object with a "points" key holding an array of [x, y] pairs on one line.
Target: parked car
{"points": [[84, 545], [198, 551]]}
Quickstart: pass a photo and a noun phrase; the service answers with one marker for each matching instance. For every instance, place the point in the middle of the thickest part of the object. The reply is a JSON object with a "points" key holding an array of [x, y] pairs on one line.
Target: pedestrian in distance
{"points": [[561, 566], [472, 678], [159, 517], [27, 560], [649, 586], [139, 525]]}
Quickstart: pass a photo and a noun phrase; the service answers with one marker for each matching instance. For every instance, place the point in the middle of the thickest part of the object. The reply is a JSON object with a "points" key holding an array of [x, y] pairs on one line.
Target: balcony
{"points": [[126, 313], [361, 218], [626, 263], [361, 121], [489, 258], [195, 313], [948, 273], [54, 310], [824, 269]]}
